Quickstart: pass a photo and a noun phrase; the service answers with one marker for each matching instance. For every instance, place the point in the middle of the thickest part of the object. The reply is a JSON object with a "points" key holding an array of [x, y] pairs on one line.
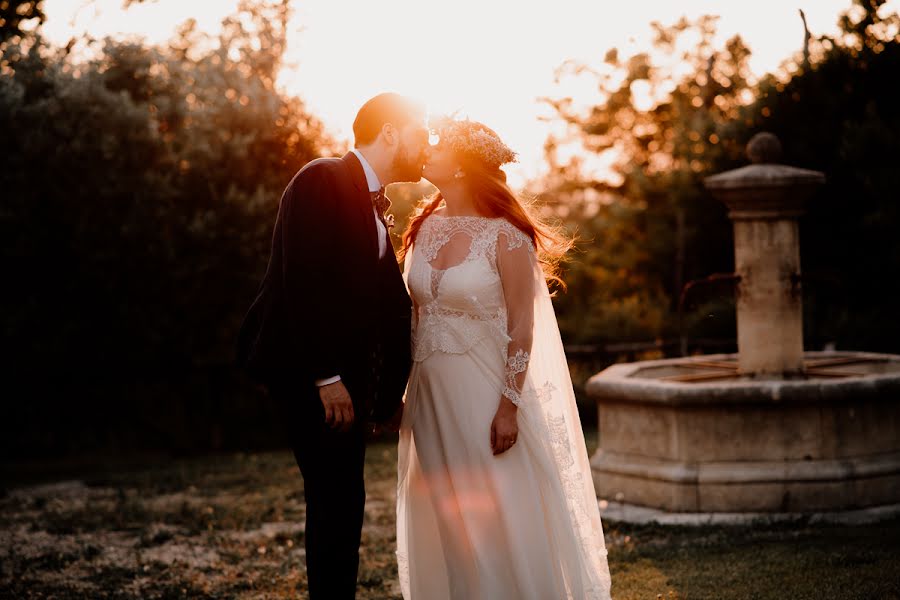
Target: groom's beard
{"points": [[406, 167]]}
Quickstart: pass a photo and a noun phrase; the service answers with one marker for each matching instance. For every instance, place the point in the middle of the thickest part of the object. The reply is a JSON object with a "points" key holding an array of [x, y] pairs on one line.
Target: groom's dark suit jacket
{"points": [[328, 305]]}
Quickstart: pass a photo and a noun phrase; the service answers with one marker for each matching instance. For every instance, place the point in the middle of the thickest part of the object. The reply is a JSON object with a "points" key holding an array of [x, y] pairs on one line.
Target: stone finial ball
{"points": [[763, 148]]}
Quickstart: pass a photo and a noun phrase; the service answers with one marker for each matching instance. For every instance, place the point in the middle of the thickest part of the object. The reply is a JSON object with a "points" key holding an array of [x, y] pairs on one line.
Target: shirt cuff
{"points": [[330, 380]]}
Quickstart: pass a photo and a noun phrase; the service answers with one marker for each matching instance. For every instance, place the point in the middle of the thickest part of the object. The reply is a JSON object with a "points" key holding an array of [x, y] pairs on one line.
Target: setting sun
{"points": [[491, 61]]}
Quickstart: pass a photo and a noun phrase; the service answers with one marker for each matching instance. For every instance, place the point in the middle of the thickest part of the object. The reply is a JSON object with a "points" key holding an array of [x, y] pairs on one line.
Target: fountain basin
{"points": [[695, 435]]}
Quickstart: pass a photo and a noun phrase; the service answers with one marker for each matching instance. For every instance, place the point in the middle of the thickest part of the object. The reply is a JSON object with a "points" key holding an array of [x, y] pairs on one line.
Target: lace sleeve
{"points": [[516, 263]]}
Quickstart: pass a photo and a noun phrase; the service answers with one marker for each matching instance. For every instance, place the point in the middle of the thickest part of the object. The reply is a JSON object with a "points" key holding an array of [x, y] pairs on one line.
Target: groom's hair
{"points": [[385, 108]]}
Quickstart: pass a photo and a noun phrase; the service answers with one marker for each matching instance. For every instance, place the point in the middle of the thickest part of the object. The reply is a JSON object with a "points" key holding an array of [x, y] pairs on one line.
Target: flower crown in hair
{"points": [[474, 139]]}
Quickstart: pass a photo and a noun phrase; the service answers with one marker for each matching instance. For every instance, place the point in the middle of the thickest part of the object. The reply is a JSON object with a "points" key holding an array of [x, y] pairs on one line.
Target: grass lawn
{"points": [[232, 527]]}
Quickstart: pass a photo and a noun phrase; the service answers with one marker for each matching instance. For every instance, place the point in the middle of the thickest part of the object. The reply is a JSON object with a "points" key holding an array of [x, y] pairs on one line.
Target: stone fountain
{"points": [[771, 429]]}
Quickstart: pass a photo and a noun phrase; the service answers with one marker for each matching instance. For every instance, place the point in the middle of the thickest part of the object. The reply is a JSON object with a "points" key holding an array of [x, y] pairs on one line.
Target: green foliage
{"points": [[664, 121], [140, 189], [841, 115], [684, 111]]}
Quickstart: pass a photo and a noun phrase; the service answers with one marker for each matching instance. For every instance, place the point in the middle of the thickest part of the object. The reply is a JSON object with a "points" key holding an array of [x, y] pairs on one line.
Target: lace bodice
{"points": [[479, 293], [472, 278], [481, 300]]}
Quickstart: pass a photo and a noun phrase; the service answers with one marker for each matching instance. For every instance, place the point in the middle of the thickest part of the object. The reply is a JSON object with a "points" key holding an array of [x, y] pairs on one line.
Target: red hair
{"points": [[493, 198]]}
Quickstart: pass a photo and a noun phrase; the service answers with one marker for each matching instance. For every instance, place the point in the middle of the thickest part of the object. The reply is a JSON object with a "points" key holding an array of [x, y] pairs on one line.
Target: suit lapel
{"points": [[363, 200]]}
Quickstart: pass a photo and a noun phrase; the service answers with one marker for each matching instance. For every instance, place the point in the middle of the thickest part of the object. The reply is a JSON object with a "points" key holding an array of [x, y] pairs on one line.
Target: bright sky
{"points": [[490, 59]]}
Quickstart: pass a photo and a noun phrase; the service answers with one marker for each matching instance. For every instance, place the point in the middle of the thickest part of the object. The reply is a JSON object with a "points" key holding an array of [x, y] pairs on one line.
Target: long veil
{"points": [[549, 410]]}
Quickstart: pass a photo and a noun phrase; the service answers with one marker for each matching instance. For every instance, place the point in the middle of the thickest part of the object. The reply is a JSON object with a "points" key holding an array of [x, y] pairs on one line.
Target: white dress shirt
{"points": [[374, 185]]}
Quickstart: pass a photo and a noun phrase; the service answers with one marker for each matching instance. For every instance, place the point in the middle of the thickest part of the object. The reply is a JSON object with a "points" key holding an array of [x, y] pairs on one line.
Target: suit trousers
{"points": [[331, 463]]}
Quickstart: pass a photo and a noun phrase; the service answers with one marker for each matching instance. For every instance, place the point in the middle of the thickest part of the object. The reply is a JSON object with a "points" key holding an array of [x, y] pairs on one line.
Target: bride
{"points": [[495, 495]]}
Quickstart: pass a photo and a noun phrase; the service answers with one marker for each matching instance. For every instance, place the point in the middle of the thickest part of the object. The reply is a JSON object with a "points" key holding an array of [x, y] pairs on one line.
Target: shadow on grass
{"points": [[232, 527]]}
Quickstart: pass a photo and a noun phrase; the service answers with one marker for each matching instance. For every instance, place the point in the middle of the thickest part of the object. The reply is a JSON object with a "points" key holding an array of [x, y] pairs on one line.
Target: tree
{"points": [[664, 118], [841, 115], [140, 189], [685, 110]]}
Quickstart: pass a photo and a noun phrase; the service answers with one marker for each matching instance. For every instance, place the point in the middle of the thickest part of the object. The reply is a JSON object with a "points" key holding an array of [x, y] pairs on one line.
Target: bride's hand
{"points": [[505, 427]]}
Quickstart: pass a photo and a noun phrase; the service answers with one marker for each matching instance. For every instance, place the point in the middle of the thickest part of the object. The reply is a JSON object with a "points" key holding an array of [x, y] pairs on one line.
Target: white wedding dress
{"points": [[470, 525]]}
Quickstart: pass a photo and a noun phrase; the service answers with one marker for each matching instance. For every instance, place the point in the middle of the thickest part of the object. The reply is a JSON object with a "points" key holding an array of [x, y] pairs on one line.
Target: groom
{"points": [[328, 333]]}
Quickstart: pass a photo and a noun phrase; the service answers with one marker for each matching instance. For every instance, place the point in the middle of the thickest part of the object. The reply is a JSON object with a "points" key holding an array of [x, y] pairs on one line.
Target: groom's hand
{"points": [[338, 406]]}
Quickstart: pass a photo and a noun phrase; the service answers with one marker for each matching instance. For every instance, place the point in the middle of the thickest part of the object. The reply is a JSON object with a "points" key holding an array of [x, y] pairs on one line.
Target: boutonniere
{"points": [[389, 221]]}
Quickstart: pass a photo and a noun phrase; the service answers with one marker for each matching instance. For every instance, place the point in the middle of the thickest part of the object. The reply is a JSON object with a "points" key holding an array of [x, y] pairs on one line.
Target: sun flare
{"points": [[489, 61]]}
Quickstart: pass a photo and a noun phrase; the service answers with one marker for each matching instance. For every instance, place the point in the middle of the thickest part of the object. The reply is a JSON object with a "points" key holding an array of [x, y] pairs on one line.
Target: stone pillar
{"points": [[765, 200]]}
